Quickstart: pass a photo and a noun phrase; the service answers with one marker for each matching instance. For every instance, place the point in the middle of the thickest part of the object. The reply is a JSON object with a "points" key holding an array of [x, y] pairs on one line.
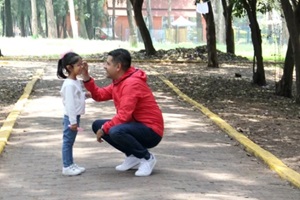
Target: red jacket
{"points": [[133, 100]]}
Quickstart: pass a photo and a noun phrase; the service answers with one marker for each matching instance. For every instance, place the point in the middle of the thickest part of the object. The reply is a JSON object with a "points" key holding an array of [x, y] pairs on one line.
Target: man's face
{"points": [[112, 69]]}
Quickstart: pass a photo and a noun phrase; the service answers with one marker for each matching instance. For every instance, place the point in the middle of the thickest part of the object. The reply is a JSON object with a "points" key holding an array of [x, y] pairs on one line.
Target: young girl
{"points": [[74, 105]]}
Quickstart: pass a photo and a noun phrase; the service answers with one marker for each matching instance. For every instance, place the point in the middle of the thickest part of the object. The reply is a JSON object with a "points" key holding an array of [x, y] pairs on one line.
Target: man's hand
{"points": [[85, 71], [99, 134]]}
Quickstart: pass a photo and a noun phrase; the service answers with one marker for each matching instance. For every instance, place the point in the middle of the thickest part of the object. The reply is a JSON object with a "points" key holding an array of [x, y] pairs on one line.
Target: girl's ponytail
{"points": [[60, 69]]}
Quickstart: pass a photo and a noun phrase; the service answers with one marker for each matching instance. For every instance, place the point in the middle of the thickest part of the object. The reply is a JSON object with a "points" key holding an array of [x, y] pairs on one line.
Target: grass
{"points": [[53, 48], [271, 52]]}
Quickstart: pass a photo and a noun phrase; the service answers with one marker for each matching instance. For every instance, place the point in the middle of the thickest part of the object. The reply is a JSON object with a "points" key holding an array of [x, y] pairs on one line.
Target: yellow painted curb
{"points": [[273, 162], [9, 122]]}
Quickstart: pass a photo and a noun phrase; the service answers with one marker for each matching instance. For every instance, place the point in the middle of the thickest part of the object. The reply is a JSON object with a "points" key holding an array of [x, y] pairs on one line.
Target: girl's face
{"points": [[76, 69]]}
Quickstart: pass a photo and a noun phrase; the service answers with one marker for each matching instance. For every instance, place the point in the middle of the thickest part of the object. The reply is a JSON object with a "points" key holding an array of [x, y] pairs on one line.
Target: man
{"points": [[138, 124]]}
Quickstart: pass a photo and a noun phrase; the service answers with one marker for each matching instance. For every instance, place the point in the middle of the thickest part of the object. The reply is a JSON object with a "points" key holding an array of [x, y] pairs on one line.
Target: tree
{"points": [[96, 14], [133, 35], [34, 21], [21, 17], [211, 37], [52, 32], [73, 19], [284, 86], [227, 12], [2, 19], [81, 19], [137, 8], [251, 7], [292, 17], [60, 10], [40, 11], [89, 19], [8, 19]]}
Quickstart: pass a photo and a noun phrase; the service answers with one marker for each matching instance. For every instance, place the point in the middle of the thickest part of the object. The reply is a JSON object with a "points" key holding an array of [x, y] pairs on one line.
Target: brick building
{"points": [[159, 10]]}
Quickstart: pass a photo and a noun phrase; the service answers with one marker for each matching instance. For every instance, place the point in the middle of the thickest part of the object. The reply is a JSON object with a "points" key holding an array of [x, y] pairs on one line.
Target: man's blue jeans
{"points": [[130, 138], [69, 137]]}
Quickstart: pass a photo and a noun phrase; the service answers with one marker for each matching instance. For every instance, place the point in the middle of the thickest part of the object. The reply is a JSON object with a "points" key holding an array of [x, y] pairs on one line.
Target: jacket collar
{"points": [[127, 74]]}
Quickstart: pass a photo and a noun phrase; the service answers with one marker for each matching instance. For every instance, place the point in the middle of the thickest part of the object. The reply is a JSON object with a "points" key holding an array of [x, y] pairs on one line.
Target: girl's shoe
{"points": [[72, 170], [82, 169]]}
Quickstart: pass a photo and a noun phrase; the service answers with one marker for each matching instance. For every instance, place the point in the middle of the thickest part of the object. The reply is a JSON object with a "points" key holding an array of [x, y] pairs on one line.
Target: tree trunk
{"points": [[89, 20], [219, 23], [230, 47], [73, 19], [34, 21], [8, 20], [59, 21], [258, 74], [29, 25], [296, 48], [3, 20], [292, 21], [211, 38], [96, 14], [22, 23], [52, 33], [284, 86], [132, 35], [137, 8], [40, 26], [80, 17], [46, 24]]}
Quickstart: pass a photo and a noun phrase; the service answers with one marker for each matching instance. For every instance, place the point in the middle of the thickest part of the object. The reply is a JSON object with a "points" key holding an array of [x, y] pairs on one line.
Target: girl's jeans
{"points": [[69, 137], [130, 138]]}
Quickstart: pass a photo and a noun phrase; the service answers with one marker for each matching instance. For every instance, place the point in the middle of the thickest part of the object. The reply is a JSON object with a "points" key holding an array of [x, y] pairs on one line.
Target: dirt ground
{"points": [[269, 120]]}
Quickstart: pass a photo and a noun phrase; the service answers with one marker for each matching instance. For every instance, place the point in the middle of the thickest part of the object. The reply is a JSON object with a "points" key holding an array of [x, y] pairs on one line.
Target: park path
{"points": [[196, 160]]}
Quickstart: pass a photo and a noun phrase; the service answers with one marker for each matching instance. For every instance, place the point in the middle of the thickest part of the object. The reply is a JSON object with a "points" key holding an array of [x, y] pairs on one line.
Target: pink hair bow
{"points": [[64, 53]]}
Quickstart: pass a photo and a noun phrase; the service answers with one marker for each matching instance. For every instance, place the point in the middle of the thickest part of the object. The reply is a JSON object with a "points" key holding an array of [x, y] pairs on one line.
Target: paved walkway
{"points": [[196, 159]]}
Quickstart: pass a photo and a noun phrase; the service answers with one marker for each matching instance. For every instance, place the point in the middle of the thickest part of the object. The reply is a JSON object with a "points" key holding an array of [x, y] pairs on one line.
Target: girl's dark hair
{"points": [[121, 56], [68, 59]]}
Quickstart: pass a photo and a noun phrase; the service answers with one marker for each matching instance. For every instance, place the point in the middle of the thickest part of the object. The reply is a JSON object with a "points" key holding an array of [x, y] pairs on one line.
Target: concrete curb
{"points": [[272, 161], [9, 122]]}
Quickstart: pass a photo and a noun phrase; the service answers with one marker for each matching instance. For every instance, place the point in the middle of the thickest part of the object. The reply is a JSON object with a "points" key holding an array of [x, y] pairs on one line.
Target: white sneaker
{"points": [[72, 170], [146, 166], [82, 169], [129, 163]]}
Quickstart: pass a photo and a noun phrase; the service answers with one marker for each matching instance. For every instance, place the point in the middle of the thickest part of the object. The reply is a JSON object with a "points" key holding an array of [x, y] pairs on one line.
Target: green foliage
{"points": [[59, 7], [238, 9], [35, 36], [262, 6]]}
